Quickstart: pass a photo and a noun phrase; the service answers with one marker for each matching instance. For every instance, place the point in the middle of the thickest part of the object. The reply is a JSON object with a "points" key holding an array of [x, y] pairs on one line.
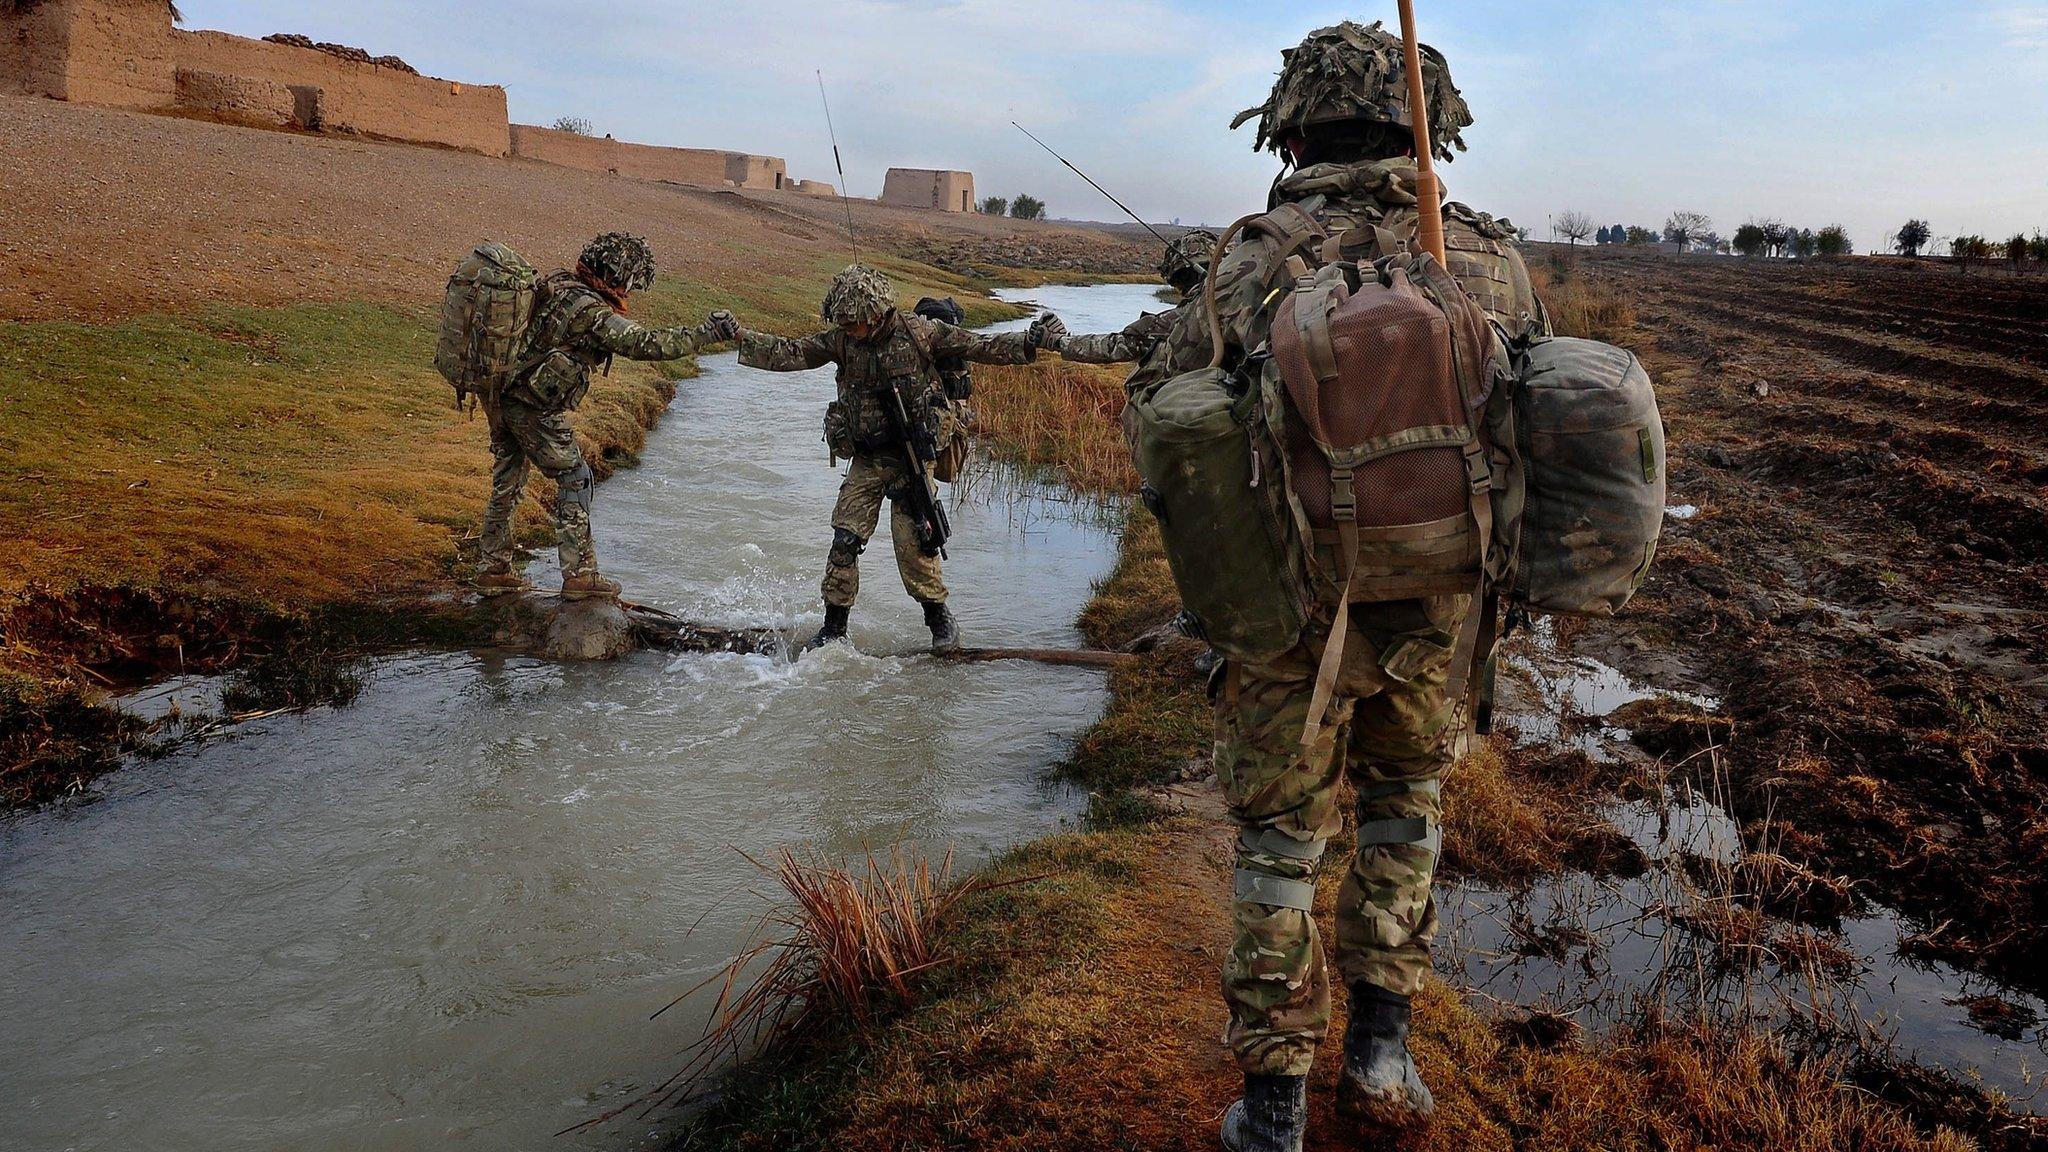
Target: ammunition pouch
{"points": [[576, 487]]}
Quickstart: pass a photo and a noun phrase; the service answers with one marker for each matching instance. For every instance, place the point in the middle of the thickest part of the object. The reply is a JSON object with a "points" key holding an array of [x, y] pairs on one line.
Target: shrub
{"points": [[575, 124], [1026, 207]]}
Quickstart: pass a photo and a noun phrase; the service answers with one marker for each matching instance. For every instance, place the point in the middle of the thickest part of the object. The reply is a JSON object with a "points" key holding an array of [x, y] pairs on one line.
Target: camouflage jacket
{"points": [[581, 330], [906, 345], [1351, 201], [1128, 346]]}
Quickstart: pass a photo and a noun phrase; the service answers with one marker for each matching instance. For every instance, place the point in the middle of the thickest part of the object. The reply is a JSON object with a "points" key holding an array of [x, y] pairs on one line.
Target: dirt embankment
{"points": [[1865, 583], [217, 410]]}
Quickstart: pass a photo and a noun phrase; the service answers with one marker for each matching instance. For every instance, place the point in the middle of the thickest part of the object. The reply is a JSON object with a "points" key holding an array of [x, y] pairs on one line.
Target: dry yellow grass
{"points": [[1059, 419], [1581, 305]]}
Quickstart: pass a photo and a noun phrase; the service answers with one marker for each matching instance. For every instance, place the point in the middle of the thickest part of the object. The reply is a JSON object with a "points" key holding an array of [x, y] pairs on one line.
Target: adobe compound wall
{"points": [[646, 161], [944, 190], [127, 54]]}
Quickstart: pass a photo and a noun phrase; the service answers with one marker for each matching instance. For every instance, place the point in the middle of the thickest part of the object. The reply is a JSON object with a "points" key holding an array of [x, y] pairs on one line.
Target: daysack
{"points": [[1381, 445], [484, 320]]}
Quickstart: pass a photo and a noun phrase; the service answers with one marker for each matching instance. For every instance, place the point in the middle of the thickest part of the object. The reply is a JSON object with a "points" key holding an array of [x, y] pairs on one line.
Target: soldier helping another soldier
{"points": [[891, 410], [577, 321], [1184, 268]]}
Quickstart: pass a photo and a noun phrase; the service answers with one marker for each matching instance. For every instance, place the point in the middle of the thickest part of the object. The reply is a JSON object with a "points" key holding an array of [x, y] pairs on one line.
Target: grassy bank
{"points": [[1079, 1007], [193, 490]]}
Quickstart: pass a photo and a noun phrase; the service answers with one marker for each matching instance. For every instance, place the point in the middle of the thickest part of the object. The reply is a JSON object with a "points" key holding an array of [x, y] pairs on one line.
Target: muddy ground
{"points": [[1863, 582]]}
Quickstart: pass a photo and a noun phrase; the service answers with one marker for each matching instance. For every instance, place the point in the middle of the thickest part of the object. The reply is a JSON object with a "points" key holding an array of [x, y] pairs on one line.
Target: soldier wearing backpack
{"points": [[1185, 267], [885, 356], [1382, 707], [525, 346]]}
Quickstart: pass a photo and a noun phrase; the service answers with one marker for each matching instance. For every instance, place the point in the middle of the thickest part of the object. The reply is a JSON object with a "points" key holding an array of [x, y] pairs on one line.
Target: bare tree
{"points": [[1575, 226], [1683, 228], [1776, 234]]}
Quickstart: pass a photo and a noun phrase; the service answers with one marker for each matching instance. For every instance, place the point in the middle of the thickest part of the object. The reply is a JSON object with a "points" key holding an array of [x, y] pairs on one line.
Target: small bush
{"points": [[574, 124]]}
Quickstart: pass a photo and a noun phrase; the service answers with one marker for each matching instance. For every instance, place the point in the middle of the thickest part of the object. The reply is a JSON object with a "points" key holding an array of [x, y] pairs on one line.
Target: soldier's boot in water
{"points": [[945, 630], [499, 579], [1271, 1117], [1380, 1083], [589, 586], [833, 629]]}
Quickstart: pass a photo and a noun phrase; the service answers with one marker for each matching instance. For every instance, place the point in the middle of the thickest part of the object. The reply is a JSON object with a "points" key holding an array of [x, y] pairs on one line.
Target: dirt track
{"points": [[110, 214], [1866, 582]]}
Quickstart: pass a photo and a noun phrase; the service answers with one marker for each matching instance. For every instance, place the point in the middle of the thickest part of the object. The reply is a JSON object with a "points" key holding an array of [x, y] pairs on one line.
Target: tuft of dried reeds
{"points": [[1059, 419], [845, 946]]}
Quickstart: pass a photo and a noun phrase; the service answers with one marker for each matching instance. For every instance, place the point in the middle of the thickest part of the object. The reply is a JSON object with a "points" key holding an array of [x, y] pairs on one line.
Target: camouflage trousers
{"points": [[869, 481], [523, 438], [1393, 729]]}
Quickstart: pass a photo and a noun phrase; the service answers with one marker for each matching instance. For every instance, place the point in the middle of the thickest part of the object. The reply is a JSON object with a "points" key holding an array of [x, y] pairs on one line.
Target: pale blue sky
{"points": [[1862, 112]]}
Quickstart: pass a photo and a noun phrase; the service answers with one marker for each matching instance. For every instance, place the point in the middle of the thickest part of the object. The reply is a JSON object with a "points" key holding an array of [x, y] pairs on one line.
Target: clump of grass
{"points": [[293, 677], [1059, 420], [849, 948], [1582, 303], [52, 738]]}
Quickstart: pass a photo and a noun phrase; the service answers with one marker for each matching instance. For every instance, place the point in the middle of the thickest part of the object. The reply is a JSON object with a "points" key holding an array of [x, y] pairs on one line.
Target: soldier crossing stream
{"points": [[441, 916]]}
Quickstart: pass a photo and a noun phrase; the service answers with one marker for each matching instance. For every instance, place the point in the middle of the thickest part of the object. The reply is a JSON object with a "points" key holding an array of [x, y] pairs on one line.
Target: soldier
{"points": [[579, 322], [1339, 116], [874, 344], [1185, 267]]}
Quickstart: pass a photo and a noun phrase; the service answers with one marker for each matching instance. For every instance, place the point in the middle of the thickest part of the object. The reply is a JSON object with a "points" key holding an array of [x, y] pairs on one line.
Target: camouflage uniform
{"points": [[1186, 265], [528, 428], [902, 345], [1391, 717]]}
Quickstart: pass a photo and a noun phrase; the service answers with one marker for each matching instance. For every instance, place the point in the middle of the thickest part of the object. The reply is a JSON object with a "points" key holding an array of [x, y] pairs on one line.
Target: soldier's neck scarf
{"points": [[1390, 182], [595, 283]]}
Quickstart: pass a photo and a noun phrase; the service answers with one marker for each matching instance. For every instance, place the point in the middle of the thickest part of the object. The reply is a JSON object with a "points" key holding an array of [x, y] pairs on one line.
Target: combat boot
{"points": [[499, 579], [945, 631], [1380, 1082], [589, 586], [834, 627], [1271, 1117]]}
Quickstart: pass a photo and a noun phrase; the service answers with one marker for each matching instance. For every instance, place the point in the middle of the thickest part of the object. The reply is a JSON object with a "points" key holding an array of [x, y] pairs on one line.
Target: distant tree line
{"points": [[1970, 250], [1022, 208]]}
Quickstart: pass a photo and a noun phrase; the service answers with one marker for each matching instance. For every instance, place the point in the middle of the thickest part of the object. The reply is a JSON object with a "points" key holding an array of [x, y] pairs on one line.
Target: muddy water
{"points": [[440, 917], [1590, 946]]}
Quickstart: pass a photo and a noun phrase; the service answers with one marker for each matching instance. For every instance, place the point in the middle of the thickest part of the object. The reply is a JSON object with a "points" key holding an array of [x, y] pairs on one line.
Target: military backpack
{"points": [[1386, 442], [485, 317]]}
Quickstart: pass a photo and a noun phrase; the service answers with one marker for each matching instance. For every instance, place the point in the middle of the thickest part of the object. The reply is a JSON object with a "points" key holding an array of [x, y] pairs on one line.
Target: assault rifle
{"points": [[927, 514]]}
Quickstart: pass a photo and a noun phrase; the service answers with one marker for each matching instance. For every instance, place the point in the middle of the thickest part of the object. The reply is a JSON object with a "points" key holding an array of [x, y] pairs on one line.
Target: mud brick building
{"points": [[946, 191]]}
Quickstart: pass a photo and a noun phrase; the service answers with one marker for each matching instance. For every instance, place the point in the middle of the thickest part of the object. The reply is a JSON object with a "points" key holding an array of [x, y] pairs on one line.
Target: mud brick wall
{"points": [[112, 52], [645, 161], [946, 191], [813, 188], [361, 98], [244, 99]]}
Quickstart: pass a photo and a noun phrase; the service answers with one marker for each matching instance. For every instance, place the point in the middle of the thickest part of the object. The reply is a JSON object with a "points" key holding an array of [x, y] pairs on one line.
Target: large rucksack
{"points": [[485, 317], [1383, 443]]}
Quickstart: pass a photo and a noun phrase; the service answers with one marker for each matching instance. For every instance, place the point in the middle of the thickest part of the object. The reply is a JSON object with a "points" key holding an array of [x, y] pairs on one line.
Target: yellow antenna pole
{"points": [[1429, 230]]}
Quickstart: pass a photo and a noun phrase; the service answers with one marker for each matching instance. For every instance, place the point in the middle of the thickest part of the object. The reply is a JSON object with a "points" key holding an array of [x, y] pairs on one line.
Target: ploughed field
{"points": [[1865, 580]]}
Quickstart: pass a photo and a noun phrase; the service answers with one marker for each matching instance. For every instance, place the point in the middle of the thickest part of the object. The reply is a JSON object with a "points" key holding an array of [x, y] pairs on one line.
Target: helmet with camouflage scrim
{"points": [[1187, 258], [859, 295], [1357, 74], [620, 259]]}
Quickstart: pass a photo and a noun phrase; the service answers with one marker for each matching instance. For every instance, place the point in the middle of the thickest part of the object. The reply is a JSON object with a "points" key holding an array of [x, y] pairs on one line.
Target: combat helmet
{"points": [[859, 295], [1352, 72], [620, 259], [1187, 257]]}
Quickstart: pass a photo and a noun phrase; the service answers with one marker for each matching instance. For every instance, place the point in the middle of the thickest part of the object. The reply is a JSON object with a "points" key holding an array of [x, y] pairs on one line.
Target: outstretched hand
{"points": [[725, 325], [1047, 332]]}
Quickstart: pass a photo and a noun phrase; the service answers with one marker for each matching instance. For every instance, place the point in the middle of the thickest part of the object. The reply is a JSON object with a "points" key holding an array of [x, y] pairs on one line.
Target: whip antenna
{"points": [[1093, 184], [1429, 226], [852, 241]]}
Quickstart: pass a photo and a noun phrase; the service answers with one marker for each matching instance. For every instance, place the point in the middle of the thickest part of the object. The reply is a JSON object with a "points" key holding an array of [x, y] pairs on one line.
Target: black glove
{"points": [[1046, 333], [725, 325]]}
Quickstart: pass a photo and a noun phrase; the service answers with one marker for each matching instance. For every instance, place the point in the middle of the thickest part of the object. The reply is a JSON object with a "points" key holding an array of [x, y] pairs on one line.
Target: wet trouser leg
{"points": [[509, 467], [1283, 797], [921, 575], [546, 439], [853, 521]]}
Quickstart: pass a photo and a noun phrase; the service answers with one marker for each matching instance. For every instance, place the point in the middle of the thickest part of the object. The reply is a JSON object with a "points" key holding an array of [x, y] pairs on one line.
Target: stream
{"points": [[440, 917]]}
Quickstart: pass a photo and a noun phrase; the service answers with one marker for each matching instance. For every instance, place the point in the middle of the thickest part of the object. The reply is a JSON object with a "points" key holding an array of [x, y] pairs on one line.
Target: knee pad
{"points": [[577, 486], [1277, 870], [846, 548]]}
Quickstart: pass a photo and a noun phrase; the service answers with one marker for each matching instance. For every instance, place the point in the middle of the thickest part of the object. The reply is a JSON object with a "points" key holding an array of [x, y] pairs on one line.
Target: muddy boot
{"points": [[589, 586], [1271, 1117], [499, 579], [1380, 1082], [945, 632], [833, 629]]}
